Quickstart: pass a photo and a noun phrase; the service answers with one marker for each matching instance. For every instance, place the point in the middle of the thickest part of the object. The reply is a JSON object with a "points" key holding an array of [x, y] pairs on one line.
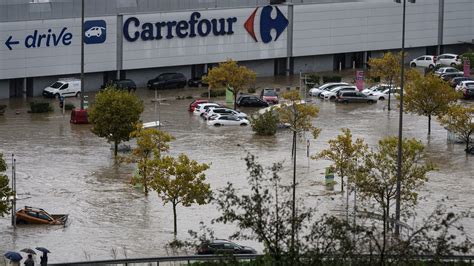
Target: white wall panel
{"points": [[372, 25], [54, 60], [458, 21]]}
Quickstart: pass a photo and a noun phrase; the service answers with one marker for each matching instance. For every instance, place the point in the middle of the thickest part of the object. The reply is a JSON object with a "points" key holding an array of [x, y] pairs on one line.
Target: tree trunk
{"points": [[347, 205], [175, 223], [468, 141], [384, 235], [342, 183], [235, 100], [429, 125], [116, 148], [145, 180], [293, 211]]}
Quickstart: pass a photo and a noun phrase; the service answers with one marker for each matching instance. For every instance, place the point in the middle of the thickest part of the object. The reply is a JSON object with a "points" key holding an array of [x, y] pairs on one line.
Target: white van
{"points": [[63, 87]]}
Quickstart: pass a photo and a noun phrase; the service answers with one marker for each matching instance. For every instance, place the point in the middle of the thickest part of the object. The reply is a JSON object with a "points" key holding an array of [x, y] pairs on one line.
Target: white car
{"points": [[325, 87], [383, 95], [201, 108], [94, 31], [214, 111], [448, 60], [428, 61], [377, 87], [227, 120], [332, 94], [446, 70], [467, 84]]}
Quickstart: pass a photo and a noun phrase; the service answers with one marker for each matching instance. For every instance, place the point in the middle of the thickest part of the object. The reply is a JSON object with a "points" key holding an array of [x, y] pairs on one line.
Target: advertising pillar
{"points": [[359, 80]]}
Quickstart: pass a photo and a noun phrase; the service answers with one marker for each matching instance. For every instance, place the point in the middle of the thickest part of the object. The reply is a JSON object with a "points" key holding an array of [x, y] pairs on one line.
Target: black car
{"points": [[167, 80], [251, 101], [124, 84], [449, 76], [456, 81], [221, 246], [197, 82]]}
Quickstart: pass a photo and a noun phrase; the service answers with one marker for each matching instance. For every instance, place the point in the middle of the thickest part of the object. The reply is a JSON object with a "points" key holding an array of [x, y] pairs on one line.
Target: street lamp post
{"points": [[400, 121], [82, 54]]}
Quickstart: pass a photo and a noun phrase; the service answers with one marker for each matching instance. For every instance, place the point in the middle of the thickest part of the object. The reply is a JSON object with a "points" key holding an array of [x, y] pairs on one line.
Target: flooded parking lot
{"points": [[64, 168]]}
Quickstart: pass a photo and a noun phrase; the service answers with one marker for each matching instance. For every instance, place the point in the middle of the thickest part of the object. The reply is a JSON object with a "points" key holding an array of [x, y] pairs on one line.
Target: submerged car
{"points": [[251, 101], [221, 246], [31, 215], [269, 96], [227, 120]]}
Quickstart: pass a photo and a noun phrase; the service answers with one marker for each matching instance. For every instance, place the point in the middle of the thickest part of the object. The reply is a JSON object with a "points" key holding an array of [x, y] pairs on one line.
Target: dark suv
{"points": [[251, 101], [220, 246], [353, 97], [124, 84], [167, 80]]}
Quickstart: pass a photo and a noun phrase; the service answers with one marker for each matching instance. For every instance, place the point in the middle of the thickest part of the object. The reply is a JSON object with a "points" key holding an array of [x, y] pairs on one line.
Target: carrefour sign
{"points": [[198, 26]]}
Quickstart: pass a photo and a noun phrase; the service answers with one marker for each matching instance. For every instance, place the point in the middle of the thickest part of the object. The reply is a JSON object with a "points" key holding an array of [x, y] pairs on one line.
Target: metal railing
{"points": [[202, 258], [158, 260]]}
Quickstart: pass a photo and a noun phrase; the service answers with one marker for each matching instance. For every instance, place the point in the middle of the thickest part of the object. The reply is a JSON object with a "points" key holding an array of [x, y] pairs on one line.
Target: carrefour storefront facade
{"points": [[272, 40]]}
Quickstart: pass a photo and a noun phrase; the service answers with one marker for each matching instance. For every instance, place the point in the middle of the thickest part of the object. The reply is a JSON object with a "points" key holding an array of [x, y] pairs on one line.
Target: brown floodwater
{"points": [[64, 168]]}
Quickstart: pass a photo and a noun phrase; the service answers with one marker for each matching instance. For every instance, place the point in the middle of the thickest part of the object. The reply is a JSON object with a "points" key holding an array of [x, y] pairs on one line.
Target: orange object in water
{"points": [[30, 215], [79, 116]]}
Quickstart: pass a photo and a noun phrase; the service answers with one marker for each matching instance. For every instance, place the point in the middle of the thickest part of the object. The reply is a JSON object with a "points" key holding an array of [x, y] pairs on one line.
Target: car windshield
{"points": [[56, 85], [269, 93]]}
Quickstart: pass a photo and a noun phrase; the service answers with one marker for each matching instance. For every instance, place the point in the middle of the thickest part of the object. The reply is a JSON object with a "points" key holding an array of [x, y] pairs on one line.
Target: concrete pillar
{"points": [[119, 45], [440, 26]]}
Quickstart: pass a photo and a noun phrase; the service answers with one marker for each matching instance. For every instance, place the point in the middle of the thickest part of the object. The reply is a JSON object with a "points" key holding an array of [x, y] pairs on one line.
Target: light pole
{"points": [[82, 54], [400, 121]]}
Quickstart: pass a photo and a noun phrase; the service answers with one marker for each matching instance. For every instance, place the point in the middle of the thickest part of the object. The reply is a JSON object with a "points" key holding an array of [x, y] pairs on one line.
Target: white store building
{"points": [[139, 39]]}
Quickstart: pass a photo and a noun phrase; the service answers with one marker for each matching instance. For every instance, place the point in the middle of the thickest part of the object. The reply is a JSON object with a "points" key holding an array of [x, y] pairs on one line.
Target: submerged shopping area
{"points": [[141, 39]]}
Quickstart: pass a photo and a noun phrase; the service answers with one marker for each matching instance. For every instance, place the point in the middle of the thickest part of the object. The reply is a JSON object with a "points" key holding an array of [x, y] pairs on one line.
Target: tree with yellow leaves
{"points": [[231, 76], [429, 96], [459, 119]]}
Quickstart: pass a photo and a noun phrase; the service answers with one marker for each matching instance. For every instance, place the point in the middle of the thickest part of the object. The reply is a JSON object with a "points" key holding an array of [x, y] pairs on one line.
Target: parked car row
{"points": [[344, 93], [431, 61], [457, 80]]}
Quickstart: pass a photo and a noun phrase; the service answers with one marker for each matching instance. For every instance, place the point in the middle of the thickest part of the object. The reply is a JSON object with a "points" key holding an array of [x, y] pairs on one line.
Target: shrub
{"points": [[69, 106], [327, 79], [251, 90], [314, 79], [2, 109], [40, 107], [214, 93], [189, 97], [265, 124]]}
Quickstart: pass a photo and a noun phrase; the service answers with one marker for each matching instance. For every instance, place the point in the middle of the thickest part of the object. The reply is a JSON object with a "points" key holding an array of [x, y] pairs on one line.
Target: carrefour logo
{"points": [[95, 31], [267, 24]]}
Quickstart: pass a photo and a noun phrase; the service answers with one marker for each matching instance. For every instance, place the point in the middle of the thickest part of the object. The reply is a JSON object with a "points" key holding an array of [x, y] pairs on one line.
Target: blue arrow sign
{"points": [[9, 43]]}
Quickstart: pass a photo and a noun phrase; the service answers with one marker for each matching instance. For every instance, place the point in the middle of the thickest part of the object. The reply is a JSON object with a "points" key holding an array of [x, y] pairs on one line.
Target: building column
{"points": [[440, 26], [119, 45]]}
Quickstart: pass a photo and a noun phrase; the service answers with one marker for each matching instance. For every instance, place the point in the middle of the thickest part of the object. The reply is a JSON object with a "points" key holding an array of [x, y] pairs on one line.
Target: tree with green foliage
{"points": [[231, 76], [180, 181], [459, 120], [299, 116], [344, 153], [5, 190], [114, 115], [429, 96], [265, 124], [151, 143], [265, 212], [377, 181]]}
